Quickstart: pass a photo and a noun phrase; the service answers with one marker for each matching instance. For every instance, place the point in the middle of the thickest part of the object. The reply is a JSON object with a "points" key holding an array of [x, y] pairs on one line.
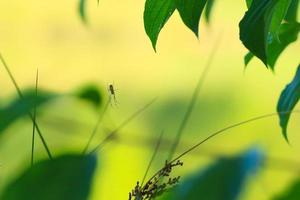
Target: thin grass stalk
{"points": [[122, 125], [30, 114], [34, 118]]}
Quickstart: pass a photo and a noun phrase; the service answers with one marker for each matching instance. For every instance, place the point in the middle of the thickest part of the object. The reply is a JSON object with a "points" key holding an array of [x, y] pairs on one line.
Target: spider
{"points": [[112, 93]]}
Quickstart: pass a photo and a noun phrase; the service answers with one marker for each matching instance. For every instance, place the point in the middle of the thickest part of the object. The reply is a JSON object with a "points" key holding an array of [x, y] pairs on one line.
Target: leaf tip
{"points": [[82, 14], [196, 32], [153, 42], [284, 133]]}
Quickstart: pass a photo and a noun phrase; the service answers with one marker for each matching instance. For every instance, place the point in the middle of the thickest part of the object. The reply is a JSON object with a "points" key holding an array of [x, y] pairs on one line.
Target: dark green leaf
{"points": [[190, 12], [287, 34], [279, 14], [90, 93], [223, 180], [255, 25], [287, 101], [248, 2], [156, 15], [247, 58], [291, 15], [81, 9], [63, 178], [208, 9], [22, 107], [292, 193]]}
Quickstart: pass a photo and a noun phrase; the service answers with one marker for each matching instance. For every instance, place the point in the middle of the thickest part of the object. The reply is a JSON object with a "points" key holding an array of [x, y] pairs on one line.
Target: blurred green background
{"points": [[113, 48]]}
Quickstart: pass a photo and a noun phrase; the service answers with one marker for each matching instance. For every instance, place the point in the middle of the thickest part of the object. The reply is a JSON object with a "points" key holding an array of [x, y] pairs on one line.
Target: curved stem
{"points": [[224, 130], [194, 97]]}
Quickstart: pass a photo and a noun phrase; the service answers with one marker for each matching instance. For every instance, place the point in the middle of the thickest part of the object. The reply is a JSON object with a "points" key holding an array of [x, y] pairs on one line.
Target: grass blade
{"points": [[30, 115], [129, 119], [34, 119], [152, 158], [95, 128], [193, 100]]}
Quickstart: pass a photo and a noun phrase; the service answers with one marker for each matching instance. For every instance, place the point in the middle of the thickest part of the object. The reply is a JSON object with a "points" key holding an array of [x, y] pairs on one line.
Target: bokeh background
{"points": [[113, 48]]}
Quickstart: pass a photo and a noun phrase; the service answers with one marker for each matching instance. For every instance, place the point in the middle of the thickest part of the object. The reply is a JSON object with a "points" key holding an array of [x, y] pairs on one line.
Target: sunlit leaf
{"points": [[248, 2], [65, 177], [156, 14], [22, 107], [291, 193], [279, 14], [90, 93], [291, 15], [256, 25], [223, 180], [190, 12], [287, 34], [287, 101]]}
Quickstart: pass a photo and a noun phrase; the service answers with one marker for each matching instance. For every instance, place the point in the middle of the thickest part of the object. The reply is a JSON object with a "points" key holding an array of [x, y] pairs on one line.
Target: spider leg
{"points": [[115, 100], [110, 100]]}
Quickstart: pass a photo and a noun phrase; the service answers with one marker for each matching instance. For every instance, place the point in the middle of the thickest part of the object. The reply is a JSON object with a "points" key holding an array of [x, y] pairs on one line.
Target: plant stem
{"points": [[194, 98], [224, 130], [112, 133], [95, 128], [30, 115], [34, 117], [152, 158]]}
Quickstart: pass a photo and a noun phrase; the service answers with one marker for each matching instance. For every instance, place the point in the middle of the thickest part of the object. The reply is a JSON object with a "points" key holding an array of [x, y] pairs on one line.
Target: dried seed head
{"points": [[155, 185]]}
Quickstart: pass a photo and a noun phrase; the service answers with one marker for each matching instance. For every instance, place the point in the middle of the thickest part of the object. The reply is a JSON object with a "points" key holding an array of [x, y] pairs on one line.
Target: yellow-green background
{"points": [[114, 48]]}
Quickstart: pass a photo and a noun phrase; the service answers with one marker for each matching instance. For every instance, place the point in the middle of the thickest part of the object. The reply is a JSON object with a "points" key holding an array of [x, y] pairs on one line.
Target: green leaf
{"points": [[255, 26], [287, 34], [81, 9], [90, 93], [291, 15], [287, 101], [208, 8], [248, 2], [223, 180], [22, 107], [63, 178], [190, 12], [292, 193], [279, 14], [247, 58], [156, 15]]}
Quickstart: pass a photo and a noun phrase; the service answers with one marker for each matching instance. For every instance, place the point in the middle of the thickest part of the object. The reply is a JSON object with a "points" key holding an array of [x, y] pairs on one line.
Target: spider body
{"points": [[112, 93]]}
